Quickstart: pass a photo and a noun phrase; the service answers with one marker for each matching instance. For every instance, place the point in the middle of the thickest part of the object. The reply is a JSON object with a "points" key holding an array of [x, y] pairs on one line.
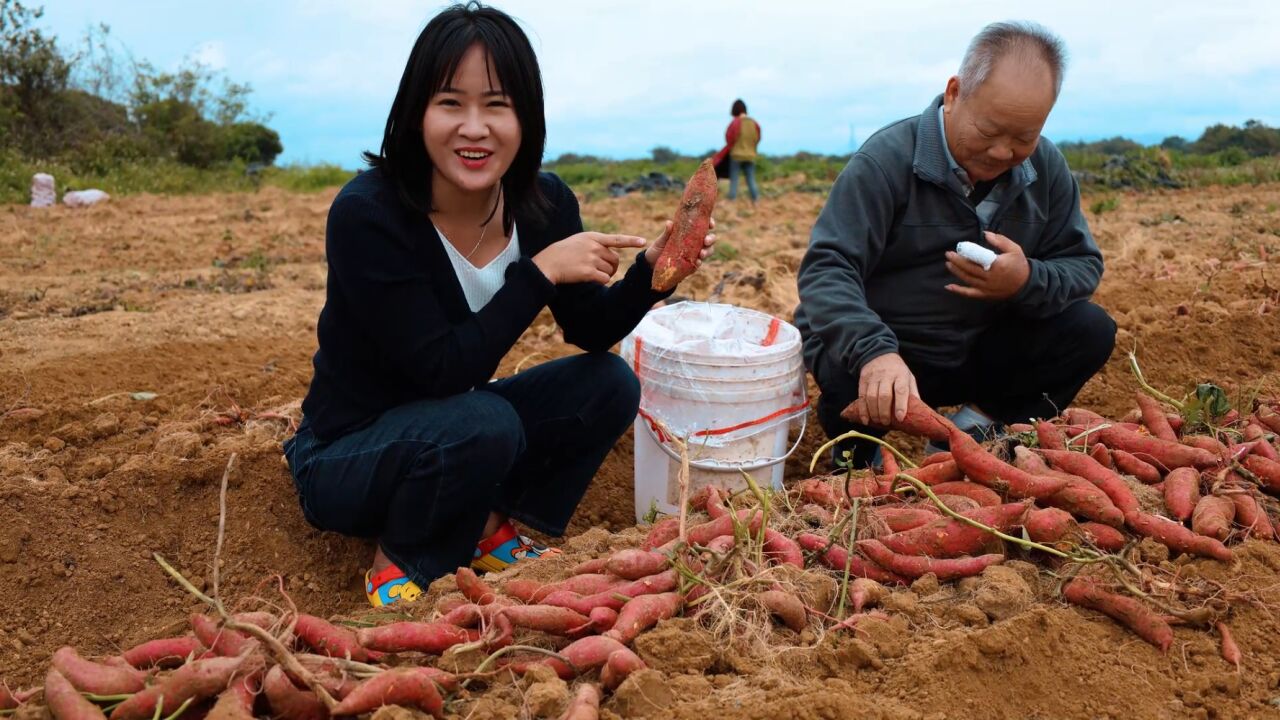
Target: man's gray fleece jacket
{"points": [[873, 280]]}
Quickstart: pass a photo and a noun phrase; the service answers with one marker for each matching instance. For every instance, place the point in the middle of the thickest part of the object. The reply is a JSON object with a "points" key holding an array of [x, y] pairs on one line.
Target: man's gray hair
{"points": [[1000, 39]]}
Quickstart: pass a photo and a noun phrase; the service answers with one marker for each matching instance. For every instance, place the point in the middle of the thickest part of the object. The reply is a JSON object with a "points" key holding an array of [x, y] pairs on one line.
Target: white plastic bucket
{"points": [[726, 380]]}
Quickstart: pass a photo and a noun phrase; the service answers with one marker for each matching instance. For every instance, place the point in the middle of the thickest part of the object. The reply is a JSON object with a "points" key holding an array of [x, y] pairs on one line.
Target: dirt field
{"points": [[210, 304]]}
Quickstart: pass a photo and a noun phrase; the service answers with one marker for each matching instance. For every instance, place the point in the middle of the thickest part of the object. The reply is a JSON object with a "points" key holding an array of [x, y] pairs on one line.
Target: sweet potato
{"points": [[196, 680], [898, 519], [585, 704], [165, 652], [920, 420], [1129, 464], [545, 618], [1147, 624], [913, 566], [980, 494], [642, 613], [786, 607], [1083, 498], [1104, 537], [1213, 516], [818, 492], [1230, 651], [1254, 433], [402, 686], [1153, 416], [1090, 469], [865, 592], [615, 598], [583, 655], [721, 545], [65, 702], [595, 565], [1177, 537], [236, 702], [1204, 442], [424, 637], [982, 467], [1182, 492], [620, 664], [933, 474], [835, 557], [221, 640], [866, 487], [1268, 417], [1049, 525], [963, 504], [1267, 471], [10, 700], [700, 534], [1251, 517], [948, 537], [1102, 455], [782, 549], [633, 564], [1081, 416], [1050, 436], [326, 638], [473, 588], [681, 254], [661, 533], [289, 702], [96, 678], [935, 458], [603, 619], [1168, 453]]}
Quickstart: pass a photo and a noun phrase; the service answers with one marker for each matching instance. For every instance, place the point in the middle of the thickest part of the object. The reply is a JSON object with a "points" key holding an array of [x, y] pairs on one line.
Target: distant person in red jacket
{"points": [[740, 138]]}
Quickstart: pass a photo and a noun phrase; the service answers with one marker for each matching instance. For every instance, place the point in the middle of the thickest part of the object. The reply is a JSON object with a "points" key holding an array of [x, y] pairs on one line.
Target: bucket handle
{"points": [[719, 466]]}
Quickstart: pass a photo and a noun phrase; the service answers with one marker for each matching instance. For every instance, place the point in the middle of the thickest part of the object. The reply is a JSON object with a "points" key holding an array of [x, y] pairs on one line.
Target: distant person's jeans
{"points": [[748, 169], [1019, 369], [423, 477]]}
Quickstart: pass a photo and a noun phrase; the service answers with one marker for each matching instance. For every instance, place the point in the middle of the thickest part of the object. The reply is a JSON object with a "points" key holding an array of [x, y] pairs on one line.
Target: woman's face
{"points": [[470, 128]]}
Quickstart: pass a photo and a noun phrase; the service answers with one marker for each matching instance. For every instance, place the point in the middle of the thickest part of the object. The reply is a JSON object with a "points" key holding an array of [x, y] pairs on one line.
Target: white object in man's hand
{"points": [[976, 253]]}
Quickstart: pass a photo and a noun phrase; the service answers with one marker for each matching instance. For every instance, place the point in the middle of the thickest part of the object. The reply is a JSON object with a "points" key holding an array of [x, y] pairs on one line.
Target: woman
{"points": [[740, 141], [440, 257]]}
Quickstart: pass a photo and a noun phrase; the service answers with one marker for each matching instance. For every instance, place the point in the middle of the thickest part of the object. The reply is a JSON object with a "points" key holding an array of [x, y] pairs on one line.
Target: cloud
{"points": [[212, 54]]}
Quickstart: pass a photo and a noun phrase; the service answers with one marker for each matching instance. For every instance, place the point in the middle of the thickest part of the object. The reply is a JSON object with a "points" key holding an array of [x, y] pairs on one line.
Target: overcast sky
{"points": [[627, 75]]}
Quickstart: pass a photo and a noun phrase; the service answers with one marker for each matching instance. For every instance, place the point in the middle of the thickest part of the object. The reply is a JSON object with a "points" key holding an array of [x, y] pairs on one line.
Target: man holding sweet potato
{"points": [[889, 310]]}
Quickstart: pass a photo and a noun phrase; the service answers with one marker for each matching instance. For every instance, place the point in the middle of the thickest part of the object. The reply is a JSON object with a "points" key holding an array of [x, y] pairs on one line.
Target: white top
{"points": [[480, 284]]}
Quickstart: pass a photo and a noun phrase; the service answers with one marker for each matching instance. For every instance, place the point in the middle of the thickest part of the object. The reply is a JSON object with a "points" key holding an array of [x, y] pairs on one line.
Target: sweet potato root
{"points": [[165, 652], [835, 557], [405, 687], [920, 420], [1090, 469], [786, 607], [236, 702], [633, 564], [96, 678], [290, 702], [782, 549], [326, 638], [662, 532], [913, 566], [1182, 492], [642, 613], [1153, 416], [1267, 471], [1101, 454], [1252, 517], [65, 702], [948, 537], [1130, 464], [898, 519], [1213, 516], [865, 592], [982, 467], [432, 638], [1083, 498], [1050, 436], [692, 220], [585, 704], [196, 680], [1168, 453], [1104, 536], [1230, 651], [1049, 525], [980, 494], [620, 664], [1177, 537], [1127, 611], [221, 640]]}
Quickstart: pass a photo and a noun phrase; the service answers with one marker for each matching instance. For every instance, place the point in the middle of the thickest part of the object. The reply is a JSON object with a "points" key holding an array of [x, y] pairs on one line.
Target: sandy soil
{"points": [[209, 303]]}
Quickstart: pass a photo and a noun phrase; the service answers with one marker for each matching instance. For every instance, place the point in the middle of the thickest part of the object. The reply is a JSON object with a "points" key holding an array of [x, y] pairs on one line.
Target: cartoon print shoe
{"points": [[505, 547], [389, 586]]}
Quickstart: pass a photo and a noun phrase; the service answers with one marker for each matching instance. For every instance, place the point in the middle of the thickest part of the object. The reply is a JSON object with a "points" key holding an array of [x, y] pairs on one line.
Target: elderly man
{"points": [[888, 309]]}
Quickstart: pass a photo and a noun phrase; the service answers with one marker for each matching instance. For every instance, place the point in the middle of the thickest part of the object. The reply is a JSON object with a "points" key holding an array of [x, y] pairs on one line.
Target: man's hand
{"points": [[1005, 278], [885, 383]]}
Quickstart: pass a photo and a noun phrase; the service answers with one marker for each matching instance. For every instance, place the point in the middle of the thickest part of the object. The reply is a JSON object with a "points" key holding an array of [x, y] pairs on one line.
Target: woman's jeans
{"points": [[424, 477], [749, 169]]}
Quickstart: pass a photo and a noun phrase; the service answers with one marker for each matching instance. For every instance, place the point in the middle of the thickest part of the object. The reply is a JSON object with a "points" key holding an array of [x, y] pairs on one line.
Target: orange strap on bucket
{"points": [[771, 335]]}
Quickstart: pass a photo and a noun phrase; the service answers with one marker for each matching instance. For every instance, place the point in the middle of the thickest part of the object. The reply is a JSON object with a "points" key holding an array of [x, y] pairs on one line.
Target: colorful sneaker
{"points": [[505, 547], [389, 586]]}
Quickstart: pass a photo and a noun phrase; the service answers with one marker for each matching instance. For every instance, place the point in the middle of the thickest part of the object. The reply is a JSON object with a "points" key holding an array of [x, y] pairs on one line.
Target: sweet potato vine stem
{"points": [[859, 436], [1137, 371]]}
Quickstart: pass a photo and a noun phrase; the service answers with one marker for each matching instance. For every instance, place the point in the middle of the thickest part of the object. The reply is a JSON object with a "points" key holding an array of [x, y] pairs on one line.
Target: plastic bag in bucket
{"points": [[726, 381]]}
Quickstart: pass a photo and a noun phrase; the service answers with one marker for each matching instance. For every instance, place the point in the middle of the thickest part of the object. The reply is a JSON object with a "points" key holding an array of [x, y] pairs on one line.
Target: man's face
{"points": [[997, 125]]}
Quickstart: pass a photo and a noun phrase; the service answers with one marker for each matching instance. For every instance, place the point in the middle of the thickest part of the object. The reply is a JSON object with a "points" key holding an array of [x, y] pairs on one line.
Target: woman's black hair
{"points": [[739, 108], [431, 66]]}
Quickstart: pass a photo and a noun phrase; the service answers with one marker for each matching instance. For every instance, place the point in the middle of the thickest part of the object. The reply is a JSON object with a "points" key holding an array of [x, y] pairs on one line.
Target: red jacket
{"points": [[731, 137]]}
